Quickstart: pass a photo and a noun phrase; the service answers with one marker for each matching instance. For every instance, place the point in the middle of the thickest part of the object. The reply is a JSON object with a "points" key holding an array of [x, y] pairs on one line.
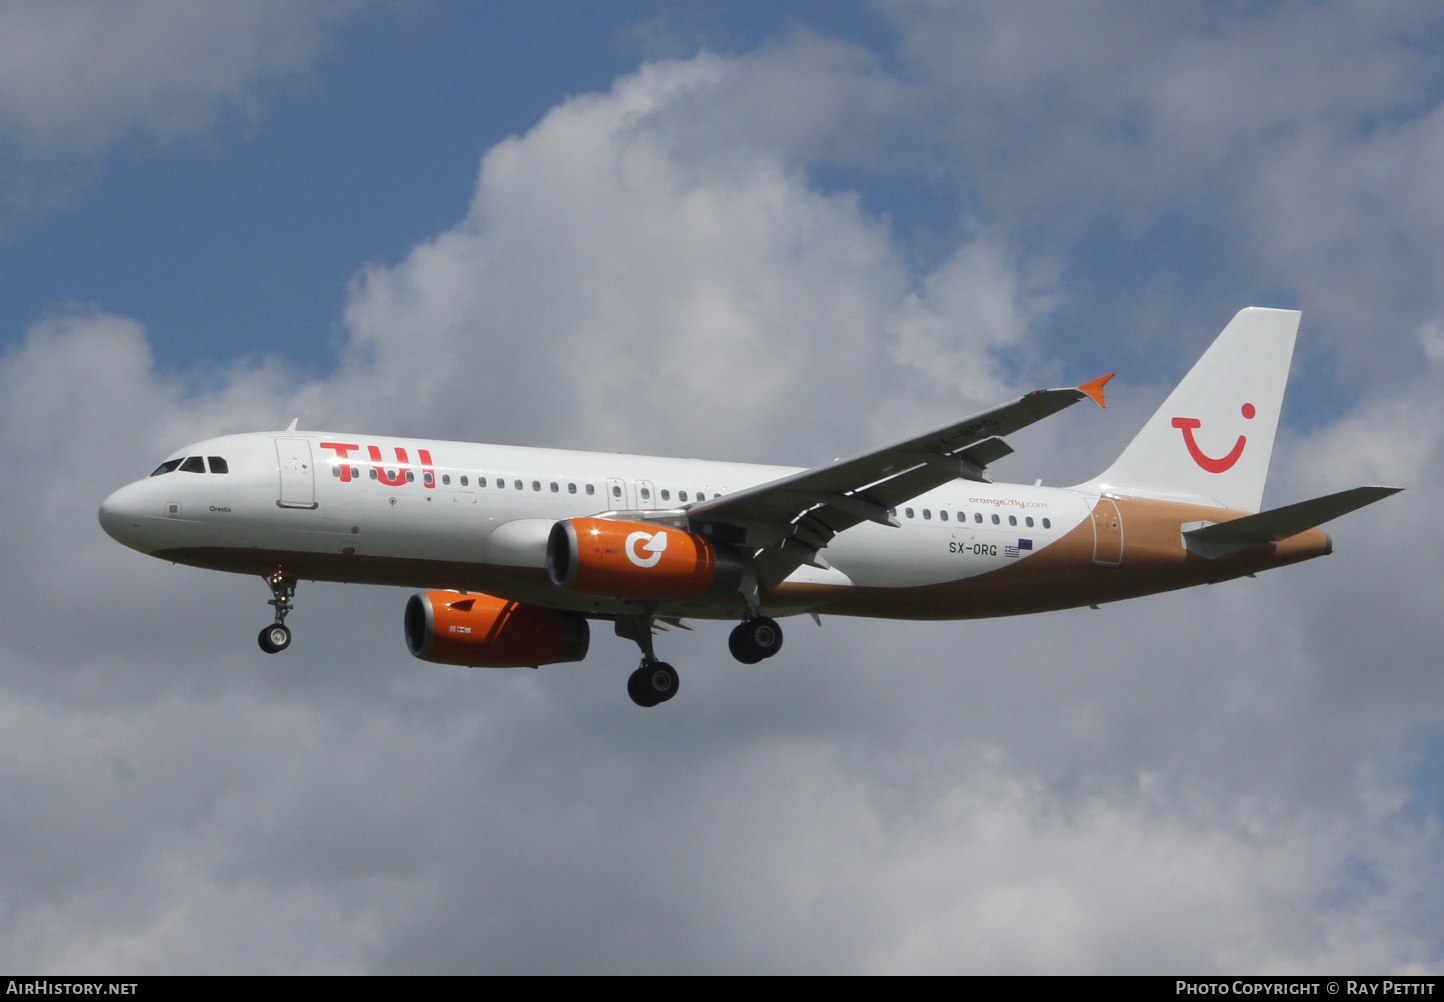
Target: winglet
{"points": [[1094, 388], [292, 426]]}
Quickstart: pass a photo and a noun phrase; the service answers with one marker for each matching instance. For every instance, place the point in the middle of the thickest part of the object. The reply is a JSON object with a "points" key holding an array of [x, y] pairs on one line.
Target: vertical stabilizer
{"points": [[1212, 439]]}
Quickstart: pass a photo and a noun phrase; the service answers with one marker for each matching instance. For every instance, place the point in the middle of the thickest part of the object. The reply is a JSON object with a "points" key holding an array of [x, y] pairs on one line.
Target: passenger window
{"points": [[168, 466], [681, 495], [555, 488], [410, 477], [1012, 519], [943, 515], [218, 465], [978, 517], [445, 479], [429, 478], [571, 488], [480, 481], [996, 520], [1028, 521], [355, 473], [1047, 524], [536, 485], [646, 494], [908, 512], [516, 484], [666, 494], [373, 474], [591, 489], [335, 471], [701, 496], [193, 464], [928, 514]]}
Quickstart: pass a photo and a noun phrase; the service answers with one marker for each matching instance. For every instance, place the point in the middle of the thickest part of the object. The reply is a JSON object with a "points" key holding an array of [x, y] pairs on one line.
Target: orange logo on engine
{"points": [[633, 560], [655, 545]]}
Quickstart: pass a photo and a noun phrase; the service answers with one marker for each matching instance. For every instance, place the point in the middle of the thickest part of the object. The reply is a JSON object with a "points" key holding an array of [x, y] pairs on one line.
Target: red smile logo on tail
{"points": [[1186, 425]]}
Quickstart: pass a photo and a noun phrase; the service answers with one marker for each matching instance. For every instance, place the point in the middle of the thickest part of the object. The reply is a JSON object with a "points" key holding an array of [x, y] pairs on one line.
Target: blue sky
{"points": [[813, 227], [241, 239]]}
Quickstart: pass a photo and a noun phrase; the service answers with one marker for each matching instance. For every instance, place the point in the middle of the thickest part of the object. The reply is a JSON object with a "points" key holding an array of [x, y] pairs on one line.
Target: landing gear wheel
{"points": [[741, 650], [654, 682], [275, 638], [755, 639]]}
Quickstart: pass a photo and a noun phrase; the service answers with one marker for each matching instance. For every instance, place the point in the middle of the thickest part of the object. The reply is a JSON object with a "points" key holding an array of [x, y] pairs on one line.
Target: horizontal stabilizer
{"points": [[1290, 520]]}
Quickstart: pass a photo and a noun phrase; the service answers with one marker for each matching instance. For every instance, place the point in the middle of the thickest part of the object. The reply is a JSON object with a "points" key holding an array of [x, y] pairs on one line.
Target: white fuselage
{"points": [[453, 514]]}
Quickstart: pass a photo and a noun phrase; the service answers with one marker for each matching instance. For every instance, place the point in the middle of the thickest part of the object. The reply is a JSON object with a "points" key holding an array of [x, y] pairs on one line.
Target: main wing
{"points": [[788, 521]]}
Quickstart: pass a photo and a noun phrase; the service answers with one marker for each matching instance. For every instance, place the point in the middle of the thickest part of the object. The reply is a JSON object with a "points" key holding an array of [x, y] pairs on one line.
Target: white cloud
{"points": [[75, 76], [1286, 155], [606, 292]]}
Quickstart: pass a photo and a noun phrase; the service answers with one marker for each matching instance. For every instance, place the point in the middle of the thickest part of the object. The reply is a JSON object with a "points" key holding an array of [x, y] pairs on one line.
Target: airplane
{"points": [[519, 550]]}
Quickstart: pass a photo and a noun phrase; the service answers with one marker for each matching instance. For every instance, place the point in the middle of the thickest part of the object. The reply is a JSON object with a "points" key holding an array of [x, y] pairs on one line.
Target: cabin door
{"points": [[1107, 534], [298, 484]]}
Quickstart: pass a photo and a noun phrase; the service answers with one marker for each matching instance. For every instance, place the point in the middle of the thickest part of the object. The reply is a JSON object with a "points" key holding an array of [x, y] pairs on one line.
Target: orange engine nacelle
{"points": [[600, 556], [482, 631]]}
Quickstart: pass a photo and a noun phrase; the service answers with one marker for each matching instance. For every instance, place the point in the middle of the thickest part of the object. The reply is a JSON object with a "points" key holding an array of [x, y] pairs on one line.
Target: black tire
{"points": [[654, 682], [635, 689], [275, 638], [740, 647], [755, 639]]}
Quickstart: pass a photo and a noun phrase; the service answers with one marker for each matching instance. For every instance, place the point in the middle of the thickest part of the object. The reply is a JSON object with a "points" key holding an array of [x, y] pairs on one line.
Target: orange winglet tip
{"points": [[1094, 389]]}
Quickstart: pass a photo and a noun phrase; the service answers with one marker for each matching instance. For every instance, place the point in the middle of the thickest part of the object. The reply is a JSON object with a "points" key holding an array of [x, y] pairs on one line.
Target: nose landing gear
{"points": [[277, 637]]}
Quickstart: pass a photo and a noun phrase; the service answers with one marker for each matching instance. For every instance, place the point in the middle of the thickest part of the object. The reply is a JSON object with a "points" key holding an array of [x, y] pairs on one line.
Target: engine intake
{"points": [[483, 631], [616, 559]]}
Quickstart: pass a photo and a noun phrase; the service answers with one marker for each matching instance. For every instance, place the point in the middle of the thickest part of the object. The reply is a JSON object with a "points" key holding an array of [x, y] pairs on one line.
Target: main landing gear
{"points": [[654, 681], [277, 637], [755, 639]]}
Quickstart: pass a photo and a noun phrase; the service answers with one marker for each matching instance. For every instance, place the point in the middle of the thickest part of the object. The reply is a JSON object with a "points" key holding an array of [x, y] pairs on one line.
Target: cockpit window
{"points": [[218, 465], [193, 464], [167, 467]]}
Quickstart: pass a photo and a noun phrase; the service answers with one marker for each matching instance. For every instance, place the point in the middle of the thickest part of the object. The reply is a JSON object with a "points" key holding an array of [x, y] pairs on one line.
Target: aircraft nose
{"points": [[121, 515]]}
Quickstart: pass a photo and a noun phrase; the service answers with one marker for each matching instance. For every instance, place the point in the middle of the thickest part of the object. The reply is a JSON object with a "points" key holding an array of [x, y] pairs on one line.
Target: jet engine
{"points": [[482, 631], [599, 556]]}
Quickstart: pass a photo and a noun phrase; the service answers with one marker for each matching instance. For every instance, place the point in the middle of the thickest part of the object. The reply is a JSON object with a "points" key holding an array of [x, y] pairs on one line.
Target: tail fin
{"points": [[1212, 439]]}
